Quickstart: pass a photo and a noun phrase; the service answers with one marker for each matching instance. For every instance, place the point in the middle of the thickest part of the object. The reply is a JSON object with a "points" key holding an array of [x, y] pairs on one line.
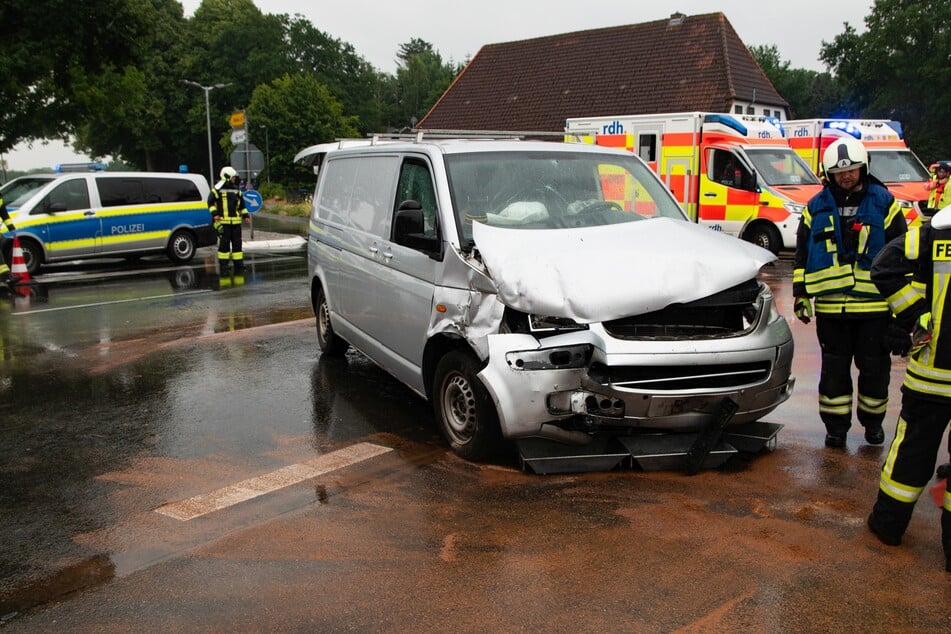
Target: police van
{"points": [[112, 214]]}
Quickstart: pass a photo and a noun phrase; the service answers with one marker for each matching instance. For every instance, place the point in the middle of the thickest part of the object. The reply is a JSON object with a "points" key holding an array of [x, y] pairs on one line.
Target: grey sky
{"points": [[457, 30]]}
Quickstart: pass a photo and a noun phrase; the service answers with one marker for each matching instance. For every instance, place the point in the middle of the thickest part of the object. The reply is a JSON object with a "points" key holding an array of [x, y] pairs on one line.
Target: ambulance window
{"points": [[647, 147], [68, 196]]}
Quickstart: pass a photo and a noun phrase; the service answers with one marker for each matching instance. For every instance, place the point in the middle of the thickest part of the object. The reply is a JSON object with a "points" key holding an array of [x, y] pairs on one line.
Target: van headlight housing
{"points": [[794, 208]]}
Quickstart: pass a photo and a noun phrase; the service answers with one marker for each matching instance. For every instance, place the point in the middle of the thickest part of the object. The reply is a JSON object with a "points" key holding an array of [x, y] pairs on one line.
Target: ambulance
{"points": [[732, 173], [890, 159]]}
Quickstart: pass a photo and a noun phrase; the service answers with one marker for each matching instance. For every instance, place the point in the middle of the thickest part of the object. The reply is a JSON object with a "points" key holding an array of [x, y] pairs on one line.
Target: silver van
{"points": [[543, 293], [80, 215]]}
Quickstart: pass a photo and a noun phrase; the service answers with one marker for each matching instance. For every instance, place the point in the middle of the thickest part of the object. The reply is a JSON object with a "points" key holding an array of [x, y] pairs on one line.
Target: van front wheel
{"points": [[766, 236], [464, 410], [181, 248]]}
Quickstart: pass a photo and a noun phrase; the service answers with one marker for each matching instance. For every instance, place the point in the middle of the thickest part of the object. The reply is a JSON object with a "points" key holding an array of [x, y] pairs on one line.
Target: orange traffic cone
{"points": [[18, 265]]}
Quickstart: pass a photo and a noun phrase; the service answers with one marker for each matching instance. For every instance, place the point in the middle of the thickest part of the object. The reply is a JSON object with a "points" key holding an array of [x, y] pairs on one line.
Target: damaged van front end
{"points": [[647, 338]]}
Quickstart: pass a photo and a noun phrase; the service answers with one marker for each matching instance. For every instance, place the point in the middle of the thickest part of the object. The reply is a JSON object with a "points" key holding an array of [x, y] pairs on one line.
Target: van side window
{"points": [[356, 192], [417, 184], [115, 192], [67, 196]]}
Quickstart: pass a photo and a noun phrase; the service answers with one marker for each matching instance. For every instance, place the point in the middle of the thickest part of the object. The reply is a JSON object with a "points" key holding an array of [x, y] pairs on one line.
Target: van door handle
{"points": [[374, 249], [710, 195], [89, 213], [388, 255]]}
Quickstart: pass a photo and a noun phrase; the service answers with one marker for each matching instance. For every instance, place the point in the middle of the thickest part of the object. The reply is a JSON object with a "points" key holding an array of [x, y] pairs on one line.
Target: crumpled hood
{"points": [[594, 274]]}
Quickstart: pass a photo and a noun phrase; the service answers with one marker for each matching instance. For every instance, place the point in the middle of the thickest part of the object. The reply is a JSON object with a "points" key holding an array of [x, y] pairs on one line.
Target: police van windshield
{"points": [[781, 166], [17, 191], [896, 166], [554, 190]]}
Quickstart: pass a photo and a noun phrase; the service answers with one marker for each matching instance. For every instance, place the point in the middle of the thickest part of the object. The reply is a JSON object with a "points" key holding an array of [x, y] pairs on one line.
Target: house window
{"points": [[750, 110], [776, 114], [765, 112], [738, 109]]}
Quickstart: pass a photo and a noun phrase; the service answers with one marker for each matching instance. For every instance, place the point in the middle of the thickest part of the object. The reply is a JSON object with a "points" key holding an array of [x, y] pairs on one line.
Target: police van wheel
{"points": [[181, 248], [464, 410], [32, 255], [766, 236], [330, 344]]}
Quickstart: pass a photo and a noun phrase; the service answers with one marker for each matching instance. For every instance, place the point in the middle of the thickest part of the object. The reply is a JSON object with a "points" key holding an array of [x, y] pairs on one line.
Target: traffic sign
{"points": [[239, 136], [237, 119], [252, 200]]}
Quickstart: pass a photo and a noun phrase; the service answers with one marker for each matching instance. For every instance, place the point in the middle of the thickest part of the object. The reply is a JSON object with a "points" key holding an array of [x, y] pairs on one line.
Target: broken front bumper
{"points": [[621, 386]]}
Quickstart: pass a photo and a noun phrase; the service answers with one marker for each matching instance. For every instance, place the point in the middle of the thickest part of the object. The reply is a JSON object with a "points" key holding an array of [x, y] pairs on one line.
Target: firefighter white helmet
{"points": [[843, 155], [227, 173]]}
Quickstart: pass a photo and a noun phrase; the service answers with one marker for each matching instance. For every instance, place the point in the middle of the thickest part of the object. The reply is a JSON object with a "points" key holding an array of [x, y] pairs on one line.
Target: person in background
{"points": [[227, 213], [906, 265], [940, 196], [841, 231], [5, 276]]}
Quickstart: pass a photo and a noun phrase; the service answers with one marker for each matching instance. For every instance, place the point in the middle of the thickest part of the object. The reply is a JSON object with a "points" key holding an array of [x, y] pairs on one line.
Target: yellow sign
{"points": [[237, 120]]}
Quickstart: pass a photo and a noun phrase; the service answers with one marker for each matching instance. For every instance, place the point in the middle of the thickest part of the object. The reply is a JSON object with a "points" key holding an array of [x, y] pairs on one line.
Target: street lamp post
{"points": [[207, 89]]}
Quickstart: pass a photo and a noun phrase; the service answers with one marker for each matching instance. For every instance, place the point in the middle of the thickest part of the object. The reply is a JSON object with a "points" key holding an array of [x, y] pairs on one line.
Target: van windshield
{"points": [[554, 190], [17, 191], [896, 166], [781, 166]]}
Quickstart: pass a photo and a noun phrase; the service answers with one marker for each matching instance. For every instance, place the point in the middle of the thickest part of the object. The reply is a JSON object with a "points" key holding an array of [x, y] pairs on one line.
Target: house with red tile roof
{"points": [[680, 64]]}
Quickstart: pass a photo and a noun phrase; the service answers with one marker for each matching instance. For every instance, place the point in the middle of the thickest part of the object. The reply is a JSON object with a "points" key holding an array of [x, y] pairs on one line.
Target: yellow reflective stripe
{"points": [[834, 278], [873, 405], [135, 237], [947, 501], [903, 299], [835, 404], [888, 485], [3, 268], [798, 275], [893, 211], [926, 379], [911, 244], [841, 304]]}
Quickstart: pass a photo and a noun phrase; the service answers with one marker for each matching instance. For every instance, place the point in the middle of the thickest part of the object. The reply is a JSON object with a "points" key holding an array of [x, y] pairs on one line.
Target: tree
{"points": [[897, 69], [297, 111], [809, 93], [421, 78]]}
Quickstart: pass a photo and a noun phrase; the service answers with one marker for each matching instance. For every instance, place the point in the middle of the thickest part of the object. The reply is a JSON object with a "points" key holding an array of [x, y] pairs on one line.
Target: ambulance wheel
{"points": [[181, 248], [464, 410], [330, 344], [766, 236]]}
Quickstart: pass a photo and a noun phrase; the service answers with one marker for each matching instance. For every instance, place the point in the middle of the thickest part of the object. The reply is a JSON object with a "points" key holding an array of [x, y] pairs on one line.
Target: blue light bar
{"points": [[80, 167], [844, 126], [727, 120]]}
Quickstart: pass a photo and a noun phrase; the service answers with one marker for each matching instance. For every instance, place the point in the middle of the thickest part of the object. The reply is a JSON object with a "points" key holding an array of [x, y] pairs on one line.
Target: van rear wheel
{"points": [[464, 410], [330, 343]]}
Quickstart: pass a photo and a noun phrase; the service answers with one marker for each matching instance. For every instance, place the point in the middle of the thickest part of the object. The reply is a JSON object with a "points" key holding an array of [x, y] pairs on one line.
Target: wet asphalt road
{"points": [[199, 398]]}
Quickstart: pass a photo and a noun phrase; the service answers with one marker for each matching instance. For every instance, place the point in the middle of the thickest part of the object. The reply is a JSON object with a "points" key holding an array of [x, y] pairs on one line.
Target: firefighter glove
{"points": [[897, 340], [921, 333], [803, 309]]}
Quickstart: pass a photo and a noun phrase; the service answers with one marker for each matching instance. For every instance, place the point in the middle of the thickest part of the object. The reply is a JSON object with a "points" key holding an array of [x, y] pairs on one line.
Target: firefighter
{"points": [[920, 260], [227, 212], [940, 196], [841, 231], [5, 276]]}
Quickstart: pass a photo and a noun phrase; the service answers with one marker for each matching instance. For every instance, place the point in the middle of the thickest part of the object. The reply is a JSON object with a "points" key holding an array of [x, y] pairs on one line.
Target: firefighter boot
{"points": [[835, 440], [874, 434], [889, 519]]}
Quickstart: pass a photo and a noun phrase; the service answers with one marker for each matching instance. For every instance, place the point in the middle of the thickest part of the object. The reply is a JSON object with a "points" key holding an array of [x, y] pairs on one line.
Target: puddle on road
{"points": [[78, 576]]}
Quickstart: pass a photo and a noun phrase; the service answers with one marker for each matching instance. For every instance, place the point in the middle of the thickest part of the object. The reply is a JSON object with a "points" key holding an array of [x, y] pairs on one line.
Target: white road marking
{"points": [[111, 302], [224, 497]]}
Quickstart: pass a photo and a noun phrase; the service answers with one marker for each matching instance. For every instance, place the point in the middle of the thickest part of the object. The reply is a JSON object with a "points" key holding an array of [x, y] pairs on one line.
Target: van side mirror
{"points": [[409, 229]]}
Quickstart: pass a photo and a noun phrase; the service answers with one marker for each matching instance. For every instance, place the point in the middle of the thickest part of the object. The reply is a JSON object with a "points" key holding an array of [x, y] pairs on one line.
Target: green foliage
{"points": [[297, 111], [898, 69], [809, 93]]}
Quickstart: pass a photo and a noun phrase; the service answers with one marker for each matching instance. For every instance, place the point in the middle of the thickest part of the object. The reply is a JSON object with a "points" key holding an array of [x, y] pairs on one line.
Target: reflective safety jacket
{"points": [[5, 216], [940, 196], [834, 256], [226, 203], [925, 254]]}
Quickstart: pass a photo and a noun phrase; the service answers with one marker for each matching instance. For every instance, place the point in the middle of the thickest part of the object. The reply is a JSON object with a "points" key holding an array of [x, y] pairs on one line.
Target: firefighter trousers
{"points": [[910, 465], [842, 341], [229, 245]]}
